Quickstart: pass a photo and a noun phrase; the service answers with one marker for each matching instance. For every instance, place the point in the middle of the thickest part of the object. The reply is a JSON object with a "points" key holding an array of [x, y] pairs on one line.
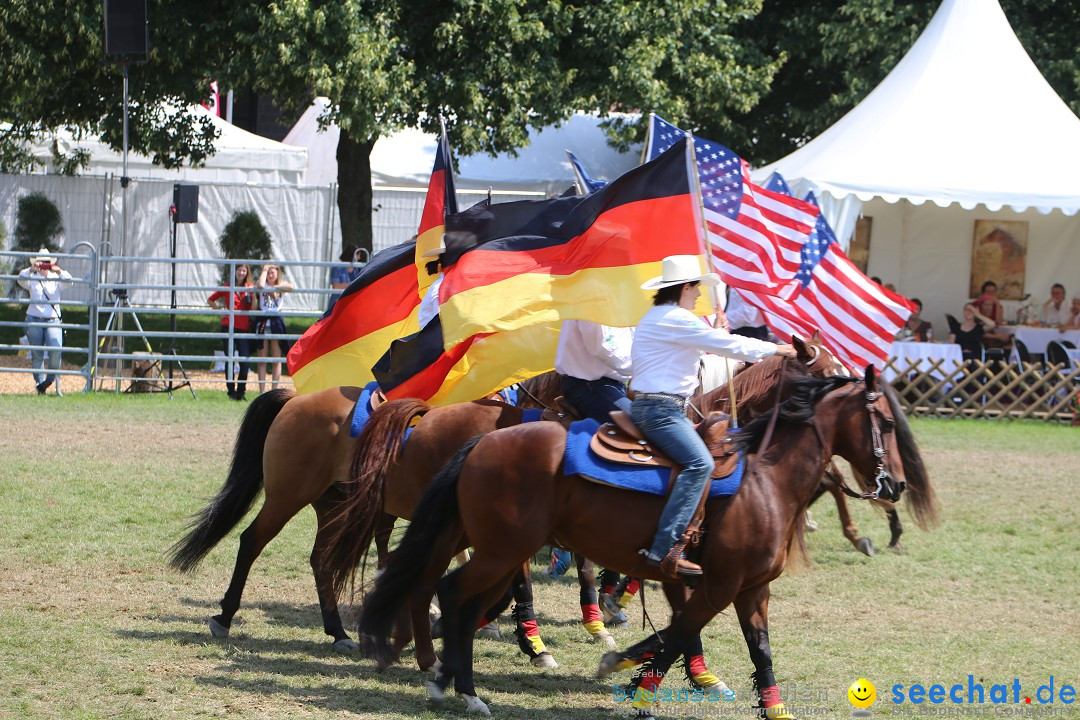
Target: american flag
{"points": [[780, 254]]}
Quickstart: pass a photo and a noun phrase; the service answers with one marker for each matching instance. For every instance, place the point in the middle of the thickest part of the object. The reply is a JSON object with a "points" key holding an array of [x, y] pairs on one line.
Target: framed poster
{"points": [[859, 250], [999, 253]]}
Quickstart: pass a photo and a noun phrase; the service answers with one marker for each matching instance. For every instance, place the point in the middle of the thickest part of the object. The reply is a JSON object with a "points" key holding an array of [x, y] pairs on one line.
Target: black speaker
{"points": [[126, 31], [186, 200]]}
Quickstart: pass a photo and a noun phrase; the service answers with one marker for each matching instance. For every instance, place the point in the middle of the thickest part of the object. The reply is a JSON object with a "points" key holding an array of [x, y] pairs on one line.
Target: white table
{"points": [[1036, 339], [923, 356]]}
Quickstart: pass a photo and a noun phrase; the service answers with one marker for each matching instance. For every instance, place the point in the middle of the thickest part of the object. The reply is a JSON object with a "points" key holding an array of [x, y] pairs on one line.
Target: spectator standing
{"points": [[270, 321], [342, 275], [45, 281], [239, 299]]}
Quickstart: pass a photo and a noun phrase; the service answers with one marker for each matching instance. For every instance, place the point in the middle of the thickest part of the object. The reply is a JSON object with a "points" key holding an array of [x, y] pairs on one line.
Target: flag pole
{"points": [[699, 207], [648, 140]]}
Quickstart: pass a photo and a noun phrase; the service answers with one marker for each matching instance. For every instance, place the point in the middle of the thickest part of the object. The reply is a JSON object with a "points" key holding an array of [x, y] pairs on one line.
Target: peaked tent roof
{"points": [[240, 156], [965, 117], [404, 159]]}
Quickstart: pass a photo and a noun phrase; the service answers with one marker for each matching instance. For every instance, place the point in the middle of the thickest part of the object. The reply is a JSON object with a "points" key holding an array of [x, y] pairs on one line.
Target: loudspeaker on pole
{"points": [[126, 29], [186, 200]]}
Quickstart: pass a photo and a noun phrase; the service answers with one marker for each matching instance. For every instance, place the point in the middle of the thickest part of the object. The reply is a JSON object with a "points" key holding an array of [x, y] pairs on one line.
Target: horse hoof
{"points": [[866, 547], [608, 664], [474, 704], [436, 693], [489, 631], [604, 637], [544, 660], [346, 645], [217, 629]]}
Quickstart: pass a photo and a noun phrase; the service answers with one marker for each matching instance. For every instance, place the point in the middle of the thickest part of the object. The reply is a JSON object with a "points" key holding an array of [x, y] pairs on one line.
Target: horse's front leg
{"points": [[752, 606], [696, 669], [526, 628], [590, 606], [851, 530]]}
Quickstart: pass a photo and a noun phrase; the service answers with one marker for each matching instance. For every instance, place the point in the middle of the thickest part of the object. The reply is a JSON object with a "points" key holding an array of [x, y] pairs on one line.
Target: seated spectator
{"points": [[968, 333], [1055, 312], [916, 329], [1074, 321], [988, 303], [988, 306]]}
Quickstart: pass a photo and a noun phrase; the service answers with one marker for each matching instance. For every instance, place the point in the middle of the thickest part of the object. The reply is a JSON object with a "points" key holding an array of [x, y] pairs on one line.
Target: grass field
{"points": [[94, 625]]}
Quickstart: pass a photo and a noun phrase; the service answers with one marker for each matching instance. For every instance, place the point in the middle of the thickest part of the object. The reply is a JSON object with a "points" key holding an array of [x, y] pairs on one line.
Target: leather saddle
{"points": [[620, 441], [562, 412]]}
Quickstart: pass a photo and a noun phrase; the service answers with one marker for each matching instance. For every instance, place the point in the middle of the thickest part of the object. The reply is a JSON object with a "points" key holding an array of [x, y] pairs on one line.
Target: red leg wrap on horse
{"points": [[770, 696]]}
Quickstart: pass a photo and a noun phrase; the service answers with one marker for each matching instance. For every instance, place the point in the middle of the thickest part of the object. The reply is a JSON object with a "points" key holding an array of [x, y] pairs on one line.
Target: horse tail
{"points": [[374, 452], [798, 556], [921, 498], [437, 510], [242, 485]]}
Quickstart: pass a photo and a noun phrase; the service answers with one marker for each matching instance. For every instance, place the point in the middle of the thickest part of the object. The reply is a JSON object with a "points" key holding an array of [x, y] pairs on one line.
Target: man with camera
{"points": [[44, 280]]}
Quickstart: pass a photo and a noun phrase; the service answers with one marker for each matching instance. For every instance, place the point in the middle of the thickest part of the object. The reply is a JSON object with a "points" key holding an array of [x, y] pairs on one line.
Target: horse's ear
{"points": [[802, 353], [871, 378], [816, 338]]}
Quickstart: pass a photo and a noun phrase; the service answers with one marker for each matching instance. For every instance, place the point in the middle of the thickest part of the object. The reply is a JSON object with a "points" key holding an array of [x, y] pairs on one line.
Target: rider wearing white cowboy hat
{"points": [[429, 304], [667, 345]]}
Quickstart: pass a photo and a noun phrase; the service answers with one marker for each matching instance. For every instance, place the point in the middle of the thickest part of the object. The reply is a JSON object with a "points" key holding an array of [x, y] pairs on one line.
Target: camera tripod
{"points": [[120, 300]]}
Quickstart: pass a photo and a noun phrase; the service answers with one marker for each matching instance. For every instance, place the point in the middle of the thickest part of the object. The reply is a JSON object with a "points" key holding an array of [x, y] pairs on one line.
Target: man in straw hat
{"points": [[667, 345], [44, 280]]}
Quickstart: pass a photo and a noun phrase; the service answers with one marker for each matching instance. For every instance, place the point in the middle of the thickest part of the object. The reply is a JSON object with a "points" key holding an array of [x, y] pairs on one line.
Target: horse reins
{"points": [[878, 443]]}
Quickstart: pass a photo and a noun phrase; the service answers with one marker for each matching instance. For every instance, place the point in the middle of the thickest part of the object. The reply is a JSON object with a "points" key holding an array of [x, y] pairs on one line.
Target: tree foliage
{"points": [[37, 223], [245, 237]]}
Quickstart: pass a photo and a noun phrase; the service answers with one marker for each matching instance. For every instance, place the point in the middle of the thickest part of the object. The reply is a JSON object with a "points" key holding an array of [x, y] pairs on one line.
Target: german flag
{"points": [[417, 366], [377, 308], [441, 201], [513, 265]]}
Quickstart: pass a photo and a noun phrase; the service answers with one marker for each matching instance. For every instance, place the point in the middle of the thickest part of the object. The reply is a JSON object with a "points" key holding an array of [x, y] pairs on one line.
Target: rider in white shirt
{"points": [[429, 304], [594, 361], [667, 345]]}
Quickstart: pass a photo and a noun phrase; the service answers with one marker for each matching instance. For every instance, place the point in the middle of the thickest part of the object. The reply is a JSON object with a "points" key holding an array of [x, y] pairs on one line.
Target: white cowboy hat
{"points": [[43, 256], [679, 269], [435, 252]]}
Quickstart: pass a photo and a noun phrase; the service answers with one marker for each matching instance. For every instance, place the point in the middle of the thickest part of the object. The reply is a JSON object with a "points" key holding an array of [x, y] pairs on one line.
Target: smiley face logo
{"points": [[862, 693]]}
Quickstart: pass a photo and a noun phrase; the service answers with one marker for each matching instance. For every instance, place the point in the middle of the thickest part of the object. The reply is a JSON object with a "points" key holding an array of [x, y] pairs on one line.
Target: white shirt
{"points": [[429, 304], [668, 342], [590, 351], [44, 291], [1056, 316], [741, 313]]}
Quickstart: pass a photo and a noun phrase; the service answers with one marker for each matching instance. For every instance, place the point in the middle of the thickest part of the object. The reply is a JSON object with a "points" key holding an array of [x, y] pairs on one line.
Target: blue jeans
{"points": [[42, 331], [595, 398], [664, 424]]}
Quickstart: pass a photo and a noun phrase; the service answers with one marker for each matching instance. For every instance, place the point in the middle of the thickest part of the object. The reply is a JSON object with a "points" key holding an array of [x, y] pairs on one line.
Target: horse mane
{"points": [[753, 385], [806, 392], [921, 498], [545, 388]]}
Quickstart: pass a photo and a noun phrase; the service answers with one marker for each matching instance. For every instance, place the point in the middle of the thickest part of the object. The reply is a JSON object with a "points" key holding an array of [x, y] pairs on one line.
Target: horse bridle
{"points": [[877, 441]]}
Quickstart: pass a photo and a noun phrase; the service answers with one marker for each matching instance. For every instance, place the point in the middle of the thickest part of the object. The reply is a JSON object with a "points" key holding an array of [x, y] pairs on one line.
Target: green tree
{"points": [[37, 223], [245, 237]]}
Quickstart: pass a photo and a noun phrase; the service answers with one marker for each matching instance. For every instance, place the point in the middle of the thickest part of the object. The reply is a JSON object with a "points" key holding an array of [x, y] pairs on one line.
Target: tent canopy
{"points": [[964, 118], [240, 157], [404, 159]]}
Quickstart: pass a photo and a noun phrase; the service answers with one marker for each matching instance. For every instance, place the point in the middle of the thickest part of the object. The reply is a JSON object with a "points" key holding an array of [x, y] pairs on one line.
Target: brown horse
{"points": [[390, 475], [507, 493], [298, 450]]}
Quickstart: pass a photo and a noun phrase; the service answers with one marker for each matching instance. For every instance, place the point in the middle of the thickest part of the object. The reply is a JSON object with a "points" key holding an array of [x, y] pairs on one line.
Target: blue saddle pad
{"points": [[580, 460], [363, 409], [362, 412]]}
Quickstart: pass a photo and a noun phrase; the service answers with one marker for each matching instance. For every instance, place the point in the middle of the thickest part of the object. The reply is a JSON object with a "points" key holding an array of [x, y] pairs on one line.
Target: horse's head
{"points": [[815, 357], [865, 432]]}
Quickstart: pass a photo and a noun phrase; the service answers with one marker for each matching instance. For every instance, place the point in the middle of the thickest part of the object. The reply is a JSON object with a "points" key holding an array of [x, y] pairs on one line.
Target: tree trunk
{"points": [[354, 190]]}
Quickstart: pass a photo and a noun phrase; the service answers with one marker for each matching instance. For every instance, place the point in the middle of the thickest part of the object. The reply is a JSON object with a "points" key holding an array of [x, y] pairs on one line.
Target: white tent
{"points": [[966, 121], [240, 156], [404, 159]]}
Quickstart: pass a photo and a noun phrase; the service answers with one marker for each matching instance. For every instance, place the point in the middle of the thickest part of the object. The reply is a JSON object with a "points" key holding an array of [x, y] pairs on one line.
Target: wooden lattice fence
{"points": [[987, 389]]}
